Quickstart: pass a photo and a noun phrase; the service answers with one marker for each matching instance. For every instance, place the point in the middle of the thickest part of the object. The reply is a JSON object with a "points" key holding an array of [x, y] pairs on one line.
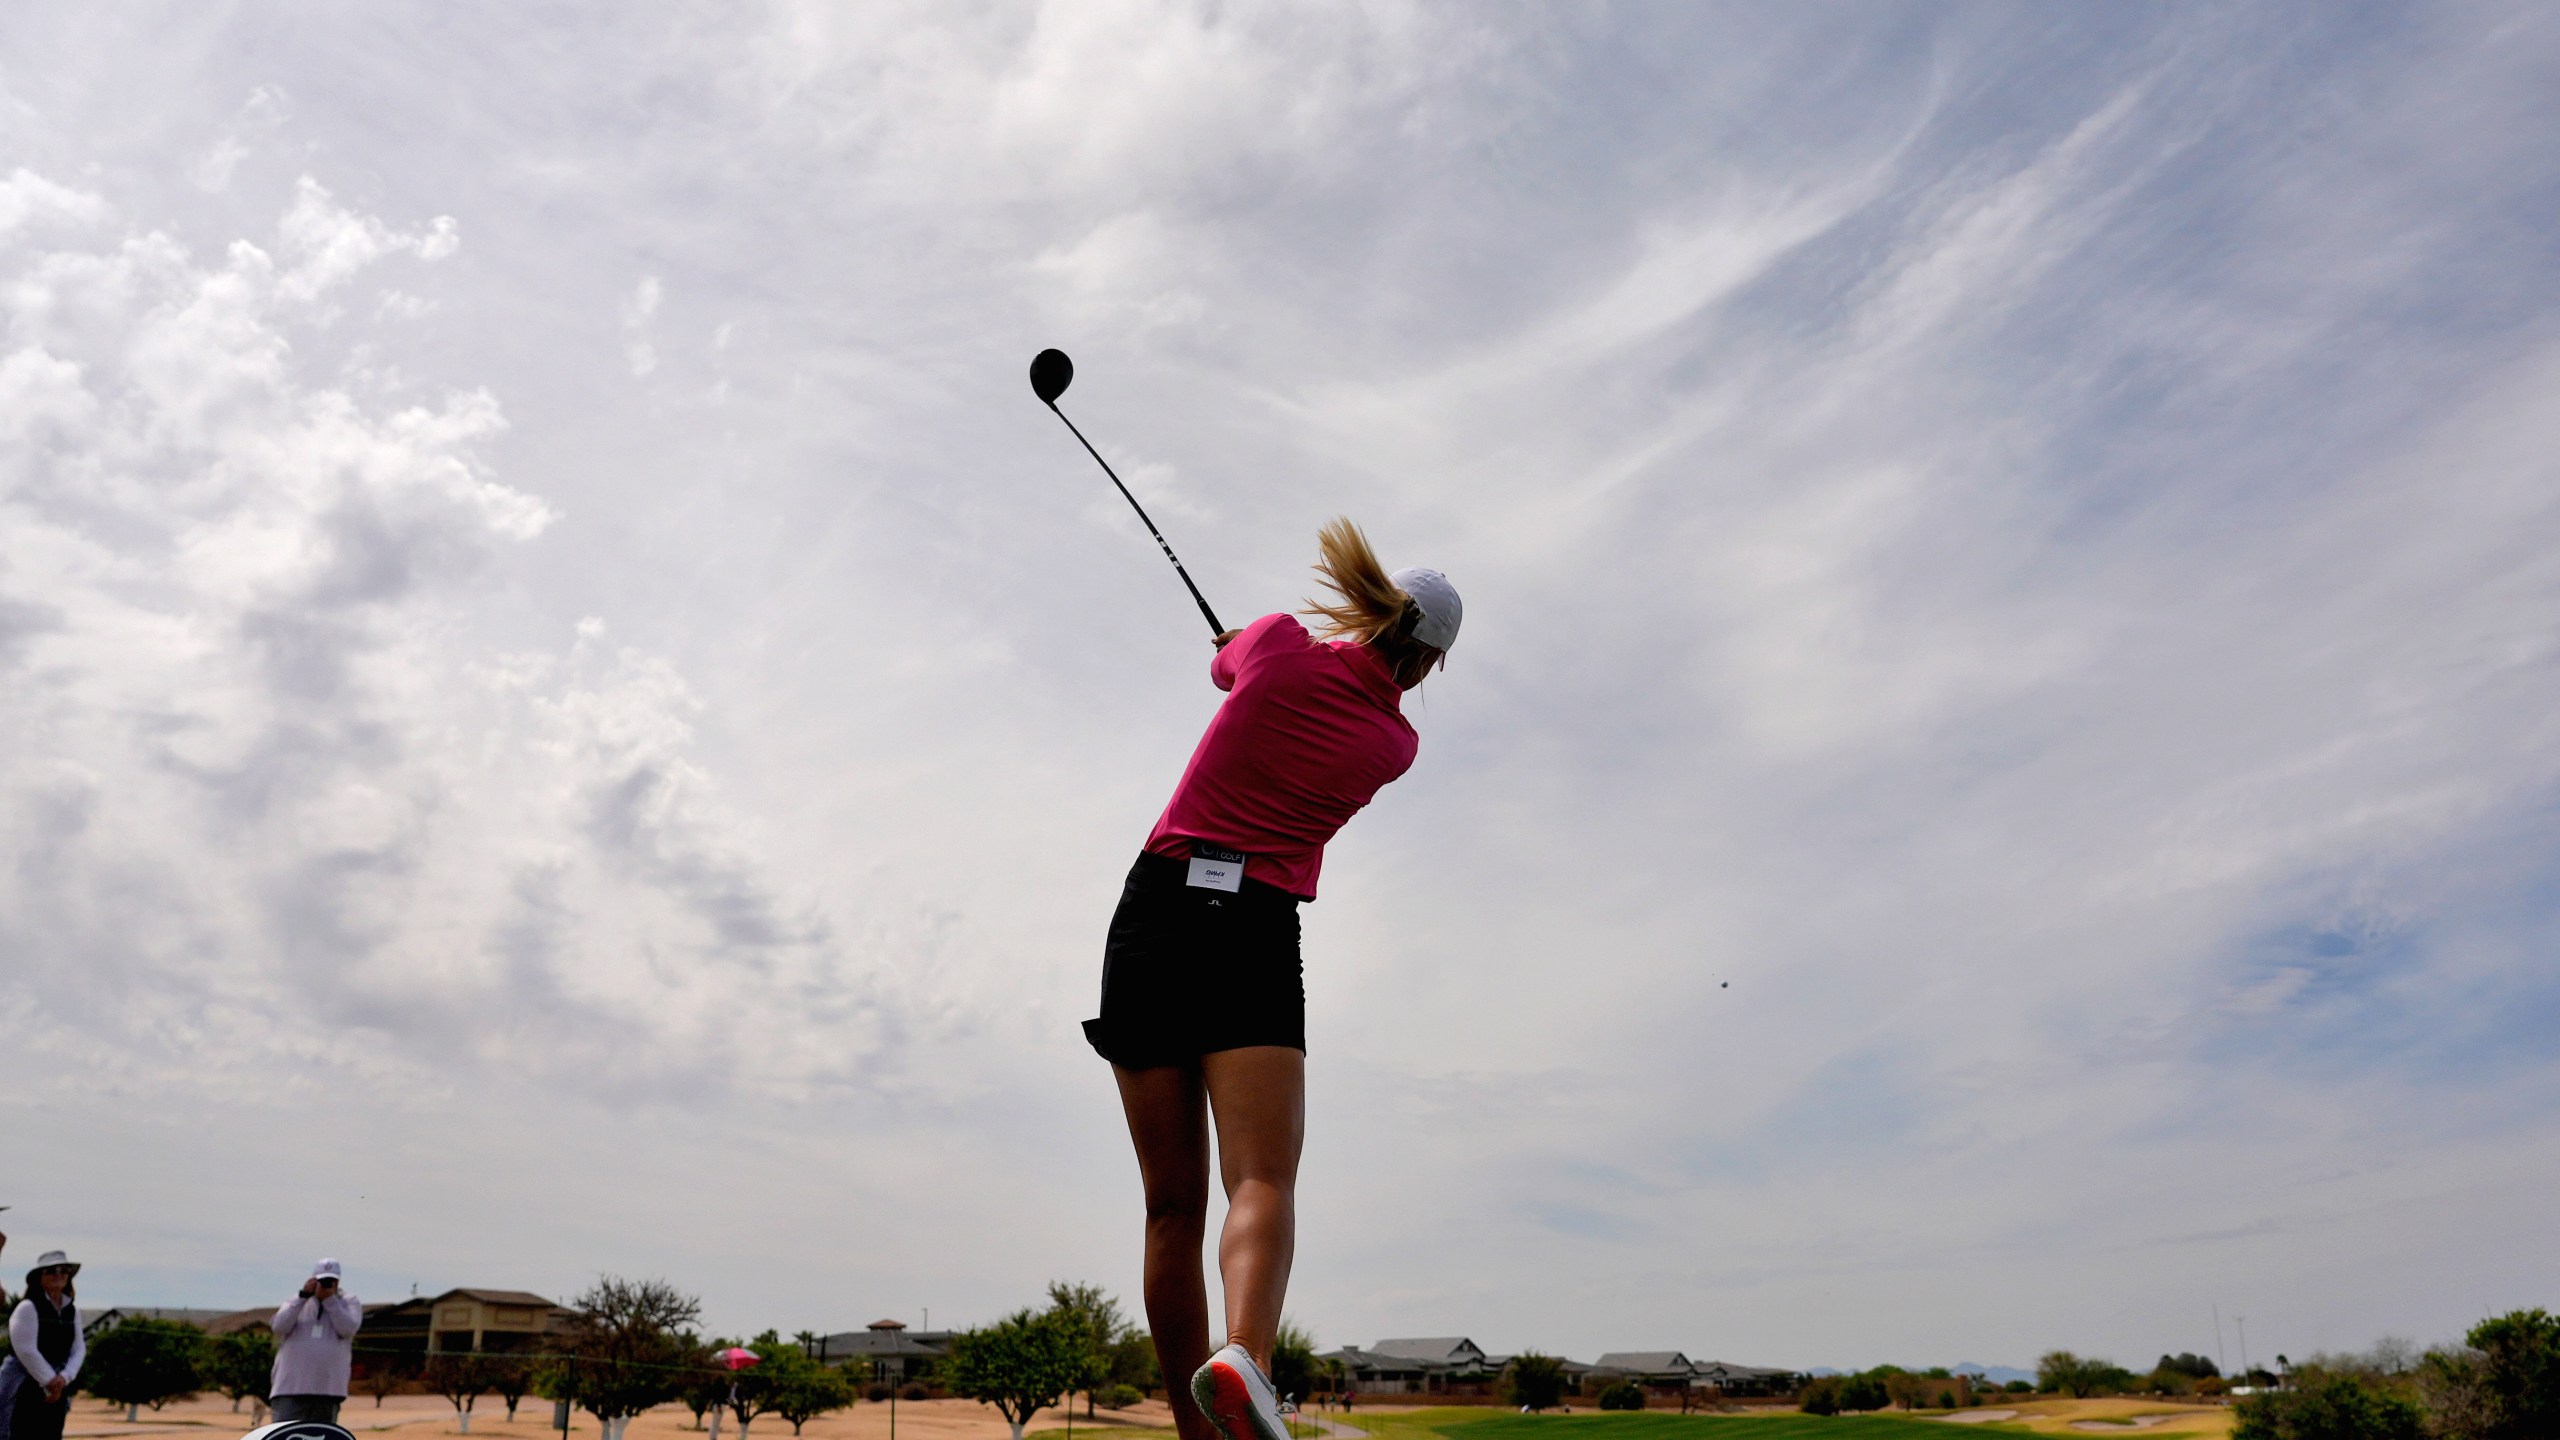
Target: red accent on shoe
{"points": [[1234, 1411]]}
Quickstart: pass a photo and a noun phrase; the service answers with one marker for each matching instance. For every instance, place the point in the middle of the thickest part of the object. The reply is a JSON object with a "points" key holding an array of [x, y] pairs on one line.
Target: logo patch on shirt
{"points": [[1214, 867]]}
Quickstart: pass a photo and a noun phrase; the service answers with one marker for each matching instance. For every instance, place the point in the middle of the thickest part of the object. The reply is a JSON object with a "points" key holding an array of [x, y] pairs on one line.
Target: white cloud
{"points": [[264, 112], [27, 198], [637, 313], [324, 243], [263, 784]]}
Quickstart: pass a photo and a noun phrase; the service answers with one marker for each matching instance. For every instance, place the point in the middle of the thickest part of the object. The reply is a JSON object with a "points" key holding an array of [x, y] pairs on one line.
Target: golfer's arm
{"points": [[79, 1354]]}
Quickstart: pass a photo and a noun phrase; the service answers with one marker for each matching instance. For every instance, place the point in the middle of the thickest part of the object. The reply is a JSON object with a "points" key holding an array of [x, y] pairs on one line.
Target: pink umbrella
{"points": [[737, 1359]]}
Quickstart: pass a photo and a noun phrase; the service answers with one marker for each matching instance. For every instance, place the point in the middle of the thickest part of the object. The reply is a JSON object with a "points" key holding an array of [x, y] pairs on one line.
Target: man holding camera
{"points": [[315, 1348]]}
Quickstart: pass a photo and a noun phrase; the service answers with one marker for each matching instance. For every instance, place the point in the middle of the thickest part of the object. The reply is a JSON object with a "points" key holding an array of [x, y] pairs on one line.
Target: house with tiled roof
{"points": [[1416, 1366]]}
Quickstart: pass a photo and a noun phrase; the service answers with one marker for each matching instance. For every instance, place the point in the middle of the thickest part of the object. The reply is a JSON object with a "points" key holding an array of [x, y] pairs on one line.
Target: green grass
{"points": [[1475, 1422], [1470, 1424]]}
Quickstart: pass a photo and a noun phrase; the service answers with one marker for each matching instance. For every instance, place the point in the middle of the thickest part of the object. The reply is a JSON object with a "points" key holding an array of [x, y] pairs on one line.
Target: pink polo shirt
{"points": [[1308, 732]]}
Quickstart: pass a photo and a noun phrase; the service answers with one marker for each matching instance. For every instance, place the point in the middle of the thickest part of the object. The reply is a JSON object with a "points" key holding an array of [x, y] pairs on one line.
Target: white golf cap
{"points": [[1439, 601], [327, 1268]]}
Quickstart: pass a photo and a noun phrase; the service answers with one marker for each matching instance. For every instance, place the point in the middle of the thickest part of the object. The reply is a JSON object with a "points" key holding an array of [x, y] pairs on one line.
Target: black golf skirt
{"points": [[1187, 970]]}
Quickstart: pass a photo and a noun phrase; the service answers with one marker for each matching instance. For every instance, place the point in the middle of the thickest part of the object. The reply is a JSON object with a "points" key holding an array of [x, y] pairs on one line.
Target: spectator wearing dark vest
{"points": [[45, 1353]]}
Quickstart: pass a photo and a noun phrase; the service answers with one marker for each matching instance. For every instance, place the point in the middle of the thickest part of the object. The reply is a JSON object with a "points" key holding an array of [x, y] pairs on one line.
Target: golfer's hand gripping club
{"points": [[1051, 373]]}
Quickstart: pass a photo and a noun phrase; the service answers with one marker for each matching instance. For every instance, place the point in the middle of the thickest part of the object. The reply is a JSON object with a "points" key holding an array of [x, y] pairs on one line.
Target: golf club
{"points": [[1051, 373]]}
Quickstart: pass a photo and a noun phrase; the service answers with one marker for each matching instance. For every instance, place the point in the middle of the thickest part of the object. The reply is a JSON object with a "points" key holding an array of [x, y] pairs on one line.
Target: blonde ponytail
{"points": [[1369, 607]]}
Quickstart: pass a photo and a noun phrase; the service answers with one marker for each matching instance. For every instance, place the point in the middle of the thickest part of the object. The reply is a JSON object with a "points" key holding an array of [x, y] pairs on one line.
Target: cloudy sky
{"points": [[563, 710]]}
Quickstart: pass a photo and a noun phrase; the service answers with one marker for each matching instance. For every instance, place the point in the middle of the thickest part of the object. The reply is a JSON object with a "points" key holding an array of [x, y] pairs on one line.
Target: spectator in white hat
{"points": [[315, 1348], [45, 1353]]}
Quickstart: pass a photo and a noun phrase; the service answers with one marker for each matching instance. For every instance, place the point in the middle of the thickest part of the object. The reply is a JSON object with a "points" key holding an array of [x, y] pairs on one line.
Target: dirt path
{"points": [[418, 1417]]}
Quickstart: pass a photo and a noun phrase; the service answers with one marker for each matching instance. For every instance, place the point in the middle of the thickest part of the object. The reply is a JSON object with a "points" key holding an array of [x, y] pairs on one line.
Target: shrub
{"points": [[1120, 1397], [2329, 1407], [875, 1393], [912, 1392], [1625, 1395]]}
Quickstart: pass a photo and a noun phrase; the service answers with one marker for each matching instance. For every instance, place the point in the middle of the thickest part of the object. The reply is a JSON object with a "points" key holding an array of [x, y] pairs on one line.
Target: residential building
{"points": [[406, 1332], [96, 1323], [1744, 1381], [1653, 1369], [1424, 1366], [886, 1350], [1671, 1372]]}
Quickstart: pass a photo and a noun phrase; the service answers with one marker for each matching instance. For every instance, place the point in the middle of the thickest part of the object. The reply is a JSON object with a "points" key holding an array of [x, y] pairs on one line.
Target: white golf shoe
{"points": [[1232, 1391]]}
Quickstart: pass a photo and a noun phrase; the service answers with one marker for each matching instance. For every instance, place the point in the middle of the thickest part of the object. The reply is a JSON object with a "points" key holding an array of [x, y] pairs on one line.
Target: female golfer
{"points": [[1203, 1014]]}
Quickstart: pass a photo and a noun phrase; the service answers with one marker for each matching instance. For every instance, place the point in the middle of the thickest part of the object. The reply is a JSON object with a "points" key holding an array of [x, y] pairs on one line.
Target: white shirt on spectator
{"points": [[315, 1344], [22, 1343]]}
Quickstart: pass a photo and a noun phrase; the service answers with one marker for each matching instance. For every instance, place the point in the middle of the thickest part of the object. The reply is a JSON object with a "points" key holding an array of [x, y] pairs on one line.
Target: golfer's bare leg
{"points": [[1258, 1096], [1169, 1124]]}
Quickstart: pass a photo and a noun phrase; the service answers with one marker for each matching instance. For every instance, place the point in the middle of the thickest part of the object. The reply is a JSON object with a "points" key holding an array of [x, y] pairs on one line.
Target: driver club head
{"points": [[1051, 373]]}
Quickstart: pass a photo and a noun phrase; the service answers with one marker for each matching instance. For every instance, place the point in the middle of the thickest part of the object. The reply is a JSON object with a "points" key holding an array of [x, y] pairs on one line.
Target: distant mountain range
{"points": [[1988, 1374], [1993, 1374]]}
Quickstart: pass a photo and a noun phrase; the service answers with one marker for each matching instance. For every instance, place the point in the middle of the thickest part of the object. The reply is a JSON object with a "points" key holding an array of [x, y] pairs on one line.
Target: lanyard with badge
{"points": [[1215, 867]]}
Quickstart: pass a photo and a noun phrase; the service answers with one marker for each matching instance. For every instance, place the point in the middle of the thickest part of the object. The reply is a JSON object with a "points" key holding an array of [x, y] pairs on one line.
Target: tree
{"points": [[1021, 1365], [2080, 1378], [2329, 1406], [1913, 1391], [1133, 1363], [241, 1363], [1533, 1380], [803, 1389], [1820, 1396], [379, 1380], [2504, 1386], [461, 1377], [1624, 1395], [626, 1347], [756, 1390], [2181, 1373], [706, 1386], [144, 1361], [510, 1376], [1095, 1315], [1293, 1362], [749, 1392], [1863, 1392]]}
